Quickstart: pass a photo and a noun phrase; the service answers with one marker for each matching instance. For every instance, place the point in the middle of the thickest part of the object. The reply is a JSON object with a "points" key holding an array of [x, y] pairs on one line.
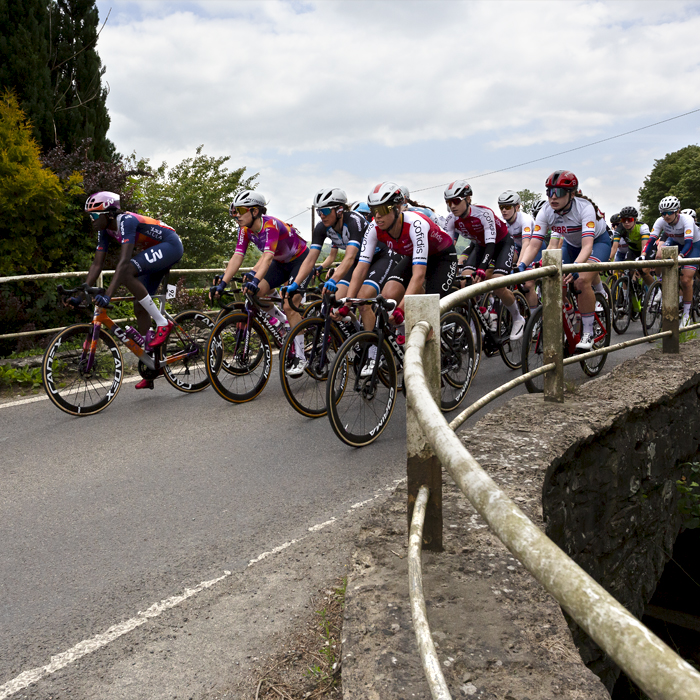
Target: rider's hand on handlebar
{"points": [[481, 274], [522, 267], [290, 288], [252, 286], [102, 300], [330, 286], [216, 290]]}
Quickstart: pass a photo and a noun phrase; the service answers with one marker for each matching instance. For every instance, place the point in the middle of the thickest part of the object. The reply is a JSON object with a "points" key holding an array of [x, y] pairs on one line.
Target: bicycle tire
{"points": [[601, 337], [456, 360], [238, 374], [359, 409], [533, 351], [621, 307], [63, 374], [191, 331], [512, 350], [312, 309], [652, 311], [475, 326], [307, 393]]}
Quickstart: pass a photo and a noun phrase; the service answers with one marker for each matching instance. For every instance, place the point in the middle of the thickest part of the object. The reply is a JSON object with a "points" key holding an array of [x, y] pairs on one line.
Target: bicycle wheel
{"points": [[601, 337], [695, 307], [473, 320], [307, 392], [189, 337], [68, 382], [512, 350], [533, 351], [621, 295], [239, 358], [652, 312], [359, 408], [456, 360]]}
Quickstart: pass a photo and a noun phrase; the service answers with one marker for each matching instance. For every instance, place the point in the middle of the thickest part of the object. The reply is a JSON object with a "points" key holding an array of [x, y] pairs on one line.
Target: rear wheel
{"points": [[69, 383], [188, 339], [512, 350], [621, 295], [652, 311]]}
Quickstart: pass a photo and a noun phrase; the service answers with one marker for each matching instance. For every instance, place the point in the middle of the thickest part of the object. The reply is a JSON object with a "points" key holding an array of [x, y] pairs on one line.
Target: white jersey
{"points": [[682, 231], [521, 229], [578, 223]]}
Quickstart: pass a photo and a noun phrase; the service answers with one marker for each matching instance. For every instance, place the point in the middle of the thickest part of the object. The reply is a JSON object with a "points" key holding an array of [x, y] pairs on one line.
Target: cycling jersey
{"points": [[521, 229], [435, 218], [140, 230], [633, 239], [684, 232], [578, 223], [276, 237], [478, 224], [352, 232], [419, 238]]}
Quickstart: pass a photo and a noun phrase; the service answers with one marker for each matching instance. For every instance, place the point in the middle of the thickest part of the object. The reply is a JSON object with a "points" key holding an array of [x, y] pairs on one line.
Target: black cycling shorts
{"points": [[502, 262], [383, 265], [280, 273], [439, 275]]}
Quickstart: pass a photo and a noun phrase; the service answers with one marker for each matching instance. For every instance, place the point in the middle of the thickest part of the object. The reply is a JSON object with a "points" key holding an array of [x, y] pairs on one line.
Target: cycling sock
{"points": [[299, 346], [599, 288], [153, 310], [372, 352], [587, 320], [533, 309], [514, 311], [686, 308]]}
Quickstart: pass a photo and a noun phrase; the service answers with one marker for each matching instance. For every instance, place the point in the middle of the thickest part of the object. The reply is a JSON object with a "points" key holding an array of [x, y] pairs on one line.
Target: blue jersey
{"points": [[140, 230]]}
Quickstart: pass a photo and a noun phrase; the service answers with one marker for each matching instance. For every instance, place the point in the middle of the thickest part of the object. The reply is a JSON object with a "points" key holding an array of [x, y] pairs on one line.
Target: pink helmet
{"points": [[102, 201]]}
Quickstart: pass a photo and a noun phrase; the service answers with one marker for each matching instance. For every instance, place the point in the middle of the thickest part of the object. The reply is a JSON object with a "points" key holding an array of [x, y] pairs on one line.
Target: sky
{"points": [[348, 93]]}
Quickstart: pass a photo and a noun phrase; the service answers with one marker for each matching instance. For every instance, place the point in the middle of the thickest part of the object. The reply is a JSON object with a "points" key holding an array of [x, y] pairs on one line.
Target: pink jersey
{"points": [[420, 237], [479, 224], [276, 237]]}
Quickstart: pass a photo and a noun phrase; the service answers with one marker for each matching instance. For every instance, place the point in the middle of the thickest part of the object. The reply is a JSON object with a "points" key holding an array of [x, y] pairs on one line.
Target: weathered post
{"points": [[553, 328], [422, 466], [669, 295]]}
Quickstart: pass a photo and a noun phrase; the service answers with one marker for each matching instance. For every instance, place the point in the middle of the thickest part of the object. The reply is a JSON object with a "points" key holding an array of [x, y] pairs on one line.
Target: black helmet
{"points": [[615, 220], [629, 213]]}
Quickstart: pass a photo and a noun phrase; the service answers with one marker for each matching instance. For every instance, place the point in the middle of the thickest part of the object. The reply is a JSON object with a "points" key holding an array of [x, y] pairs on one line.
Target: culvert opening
{"points": [[673, 613]]}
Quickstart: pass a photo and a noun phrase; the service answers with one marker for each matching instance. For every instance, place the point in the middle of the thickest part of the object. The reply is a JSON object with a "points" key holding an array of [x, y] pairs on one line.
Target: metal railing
{"points": [[432, 444]]}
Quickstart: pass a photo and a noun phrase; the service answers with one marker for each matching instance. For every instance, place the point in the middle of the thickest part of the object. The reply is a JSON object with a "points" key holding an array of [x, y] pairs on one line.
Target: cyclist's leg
{"points": [[441, 272]]}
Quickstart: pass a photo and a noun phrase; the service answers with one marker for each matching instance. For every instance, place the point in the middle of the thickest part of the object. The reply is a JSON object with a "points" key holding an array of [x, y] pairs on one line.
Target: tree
{"points": [[528, 199], [678, 174], [194, 197]]}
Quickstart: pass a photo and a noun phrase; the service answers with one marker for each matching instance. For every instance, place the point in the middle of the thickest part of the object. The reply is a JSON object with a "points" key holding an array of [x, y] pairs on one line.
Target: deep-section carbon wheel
{"points": [[456, 360], [188, 340]]}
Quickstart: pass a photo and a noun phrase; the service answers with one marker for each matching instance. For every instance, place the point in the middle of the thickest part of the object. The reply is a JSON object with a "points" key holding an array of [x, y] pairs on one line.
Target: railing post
{"points": [[553, 328], [422, 466], [669, 296]]}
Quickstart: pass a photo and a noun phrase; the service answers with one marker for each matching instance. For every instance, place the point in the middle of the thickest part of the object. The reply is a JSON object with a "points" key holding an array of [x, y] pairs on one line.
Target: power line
{"points": [[570, 150], [289, 218]]}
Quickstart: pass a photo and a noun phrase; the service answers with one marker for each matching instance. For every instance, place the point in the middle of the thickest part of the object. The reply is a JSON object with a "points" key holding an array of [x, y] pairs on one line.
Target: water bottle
{"points": [[282, 328], [135, 336]]}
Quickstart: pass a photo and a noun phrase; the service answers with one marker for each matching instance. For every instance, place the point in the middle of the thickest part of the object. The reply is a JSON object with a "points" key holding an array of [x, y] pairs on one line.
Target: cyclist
{"points": [[493, 249], [411, 205], [682, 232], [575, 218], [691, 213], [159, 248], [630, 239], [521, 227], [362, 208], [283, 253]]}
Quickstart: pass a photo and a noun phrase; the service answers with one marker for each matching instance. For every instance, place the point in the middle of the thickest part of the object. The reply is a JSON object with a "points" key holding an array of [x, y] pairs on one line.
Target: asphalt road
{"points": [[104, 515]]}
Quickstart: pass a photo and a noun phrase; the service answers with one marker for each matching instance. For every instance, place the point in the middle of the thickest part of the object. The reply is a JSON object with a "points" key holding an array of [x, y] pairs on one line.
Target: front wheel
{"points": [[533, 351], [621, 306], [72, 382], [652, 311], [457, 360], [359, 407], [511, 350], [601, 336], [185, 352]]}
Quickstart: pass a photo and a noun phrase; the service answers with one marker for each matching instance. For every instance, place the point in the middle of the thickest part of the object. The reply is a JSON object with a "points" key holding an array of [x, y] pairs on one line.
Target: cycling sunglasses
{"points": [[454, 200], [382, 209], [505, 206], [557, 192], [668, 213], [95, 215], [324, 211], [242, 210], [627, 220]]}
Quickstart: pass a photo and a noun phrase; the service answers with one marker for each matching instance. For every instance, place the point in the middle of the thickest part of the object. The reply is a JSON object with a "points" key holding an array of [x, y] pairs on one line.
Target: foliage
{"points": [[193, 197], [36, 231], [188, 298], [528, 199], [678, 174], [24, 376], [689, 502]]}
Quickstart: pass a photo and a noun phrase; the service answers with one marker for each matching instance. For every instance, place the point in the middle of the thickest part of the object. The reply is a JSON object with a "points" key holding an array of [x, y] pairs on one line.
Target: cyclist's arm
{"points": [[330, 259], [614, 248], [306, 266], [122, 266], [351, 253], [415, 286], [263, 265], [586, 250], [233, 266], [96, 267]]}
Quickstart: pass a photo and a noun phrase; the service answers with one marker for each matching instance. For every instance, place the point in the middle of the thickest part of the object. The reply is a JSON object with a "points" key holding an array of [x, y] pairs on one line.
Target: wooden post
{"points": [[422, 466], [553, 328], [669, 296]]}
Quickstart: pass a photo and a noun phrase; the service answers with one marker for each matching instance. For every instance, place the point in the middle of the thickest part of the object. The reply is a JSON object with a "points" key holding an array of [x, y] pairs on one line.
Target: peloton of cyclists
{"points": [[630, 238]]}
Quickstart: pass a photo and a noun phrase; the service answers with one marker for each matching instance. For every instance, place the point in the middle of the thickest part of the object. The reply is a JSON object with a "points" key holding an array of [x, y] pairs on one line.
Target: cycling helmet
{"points": [[404, 191], [458, 188], [629, 213], [509, 198], [102, 201], [690, 212], [670, 203], [361, 207], [385, 193], [537, 206], [330, 197], [615, 220], [562, 178], [247, 198]]}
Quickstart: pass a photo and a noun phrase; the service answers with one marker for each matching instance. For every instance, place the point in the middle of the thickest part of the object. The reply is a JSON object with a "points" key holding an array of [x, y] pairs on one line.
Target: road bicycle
{"points": [[533, 348], [361, 394], [627, 295], [652, 309], [83, 367]]}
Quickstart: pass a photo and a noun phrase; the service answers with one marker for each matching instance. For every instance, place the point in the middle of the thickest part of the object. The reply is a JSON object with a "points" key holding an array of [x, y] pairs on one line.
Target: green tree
{"points": [[528, 200], [24, 62], [678, 174], [193, 197]]}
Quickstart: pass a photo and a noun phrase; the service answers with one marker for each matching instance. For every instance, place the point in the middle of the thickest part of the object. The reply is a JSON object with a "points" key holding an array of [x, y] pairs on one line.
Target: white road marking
{"points": [[87, 646]]}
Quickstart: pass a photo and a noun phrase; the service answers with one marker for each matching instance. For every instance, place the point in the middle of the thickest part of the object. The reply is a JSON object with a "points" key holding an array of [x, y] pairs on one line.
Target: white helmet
{"points": [[330, 197], [102, 201], [385, 193], [537, 206], [509, 198], [670, 203], [690, 212], [458, 188], [404, 191], [247, 198]]}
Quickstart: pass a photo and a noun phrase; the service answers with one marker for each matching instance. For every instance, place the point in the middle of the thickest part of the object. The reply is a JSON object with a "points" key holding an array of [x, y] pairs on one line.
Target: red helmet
{"points": [[562, 178]]}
